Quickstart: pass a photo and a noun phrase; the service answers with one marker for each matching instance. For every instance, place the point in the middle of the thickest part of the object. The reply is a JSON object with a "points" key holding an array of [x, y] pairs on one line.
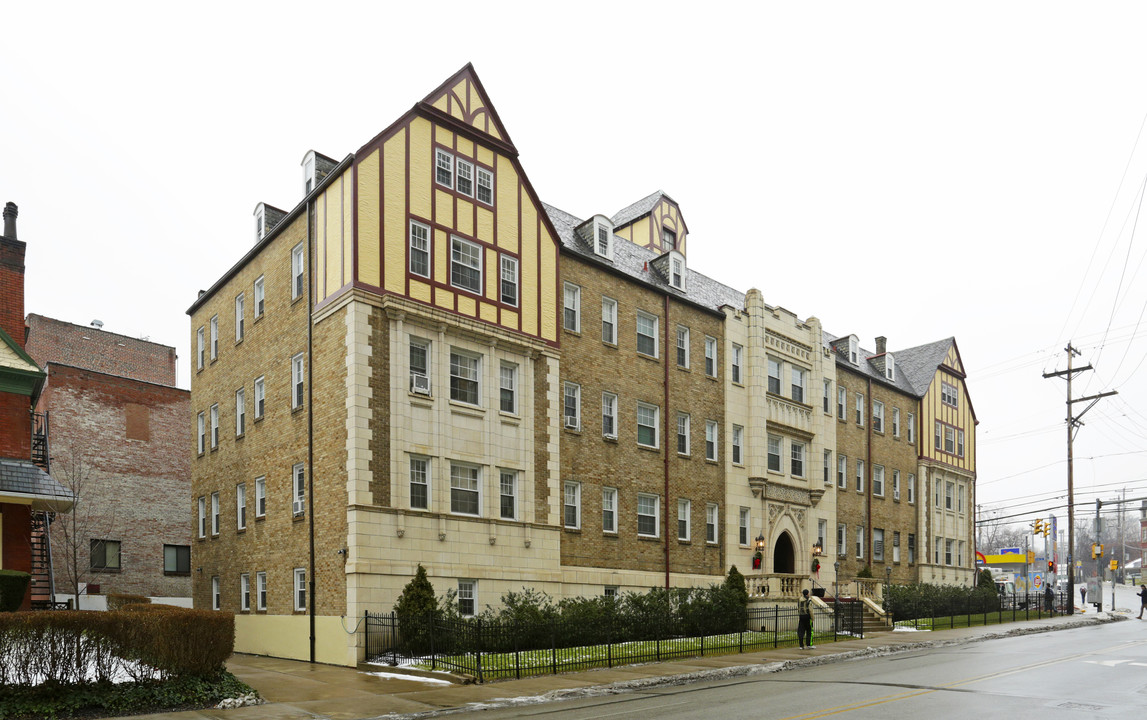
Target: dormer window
{"points": [[668, 239], [309, 173], [260, 222], [889, 367], [602, 237], [677, 272], [853, 350]]}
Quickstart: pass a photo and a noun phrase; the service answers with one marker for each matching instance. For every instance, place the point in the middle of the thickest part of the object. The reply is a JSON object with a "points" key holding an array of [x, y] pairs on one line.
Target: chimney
{"points": [[10, 213], [881, 345], [12, 278]]}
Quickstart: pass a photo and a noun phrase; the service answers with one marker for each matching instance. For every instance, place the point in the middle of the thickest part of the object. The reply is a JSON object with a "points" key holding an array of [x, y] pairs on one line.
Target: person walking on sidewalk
{"points": [[804, 621], [1142, 599]]}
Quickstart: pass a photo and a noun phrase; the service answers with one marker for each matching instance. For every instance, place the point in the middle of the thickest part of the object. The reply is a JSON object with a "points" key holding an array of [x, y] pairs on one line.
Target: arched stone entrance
{"points": [[784, 556]]}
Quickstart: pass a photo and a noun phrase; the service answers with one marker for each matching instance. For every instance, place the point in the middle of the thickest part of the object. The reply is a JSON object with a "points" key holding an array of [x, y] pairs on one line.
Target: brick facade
{"points": [[90, 348]]}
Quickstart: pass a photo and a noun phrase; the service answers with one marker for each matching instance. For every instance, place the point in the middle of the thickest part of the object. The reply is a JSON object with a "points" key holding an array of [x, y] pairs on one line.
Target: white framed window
{"points": [[297, 272], [244, 592], [571, 308], [571, 405], [889, 366], [860, 541], [214, 426], [711, 356], [895, 422], [911, 428], [711, 522], [647, 424], [860, 409], [827, 467], [960, 443], [464, 181], [738, 441], [609, 321], [602, 238], [895, 546], [260, 297], [939, 544], [796, 459], [508, 494], [877, 416], [878, 480], [895, 484], [214, 513], [443, 168], [298, 489], [682, 346], [827, 401], [508, 380], [710, 440], [202, 516], [960, 498], [774, 376], [841, 541], [776, 446], [260, 496], [859, 476], [947, 552], [949, 395], [240, 412], [309, 172], [822, 533], [842, 471], [239, 313], [419, 483], [939, 434], [646, 334], [609, 510], [509, 275], [609, 415], [911, 547], [960, 553], [467, 597], [911, 482], [684, 511], [735, 363], [419, 355], [797, 381], [743, 527], [841, 401], [853, 350], [648, 515], [465, 489], [571, 505], [260, 397], [300, 589], [949, 496], [485, 186], [949, 439], [201, 426], [297, 381], [939, 486], [682, 434], [464, 374], [199, 348], [465, 265], [419, 249], [216, 600], [241, 506], [877, 545], [261, 590], [677, 272], [214, 336]]}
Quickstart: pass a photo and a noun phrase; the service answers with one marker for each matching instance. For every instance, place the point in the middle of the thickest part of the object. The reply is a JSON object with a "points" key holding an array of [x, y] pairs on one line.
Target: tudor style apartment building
{"points": [[422, 362]]}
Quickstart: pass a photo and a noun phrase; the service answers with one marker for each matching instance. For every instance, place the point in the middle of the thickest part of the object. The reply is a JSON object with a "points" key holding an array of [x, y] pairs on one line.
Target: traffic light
{"points": [[1051, 566], [1046, 529], [1096, 550], [1114, 565], [1037, 526]]}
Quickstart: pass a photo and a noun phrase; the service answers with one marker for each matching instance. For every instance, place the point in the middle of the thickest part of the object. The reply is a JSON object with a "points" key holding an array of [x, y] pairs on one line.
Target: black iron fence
{"points": [[985, 610], [490, 650]]}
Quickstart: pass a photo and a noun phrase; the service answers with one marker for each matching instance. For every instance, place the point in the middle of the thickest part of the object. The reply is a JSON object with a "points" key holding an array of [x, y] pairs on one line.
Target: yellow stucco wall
{"points": [[960, 417], [394, 213], [369, 260], [288, 636]]}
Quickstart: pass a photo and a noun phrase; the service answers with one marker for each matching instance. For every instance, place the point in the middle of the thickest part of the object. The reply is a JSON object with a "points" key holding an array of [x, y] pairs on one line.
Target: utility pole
{"points": [[1099, 557], [1073, 421]]}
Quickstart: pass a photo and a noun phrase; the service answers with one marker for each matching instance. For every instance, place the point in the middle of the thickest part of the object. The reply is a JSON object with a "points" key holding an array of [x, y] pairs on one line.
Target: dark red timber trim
{"points": [[869, 471], [354, 227], [467, 72], [665, 423], [406, 229], [342, 233], [322, 243]]}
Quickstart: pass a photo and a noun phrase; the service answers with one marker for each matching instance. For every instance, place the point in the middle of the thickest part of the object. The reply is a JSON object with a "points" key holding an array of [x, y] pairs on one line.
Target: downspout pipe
{"points": [[665, 449], [870, 472], [310, 429]]}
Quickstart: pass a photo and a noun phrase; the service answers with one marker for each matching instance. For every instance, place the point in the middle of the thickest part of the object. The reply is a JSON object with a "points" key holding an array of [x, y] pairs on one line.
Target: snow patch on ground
{"points": [[415, 678]]}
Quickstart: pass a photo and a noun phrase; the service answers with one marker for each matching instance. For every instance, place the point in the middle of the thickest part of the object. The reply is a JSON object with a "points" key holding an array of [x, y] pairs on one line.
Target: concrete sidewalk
{"points": [[295, 689]]}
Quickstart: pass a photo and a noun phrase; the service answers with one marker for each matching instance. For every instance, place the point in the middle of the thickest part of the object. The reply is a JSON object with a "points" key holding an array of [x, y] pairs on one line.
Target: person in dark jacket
{"points": [[804, 621], [1142, 599], [1049, 598]]}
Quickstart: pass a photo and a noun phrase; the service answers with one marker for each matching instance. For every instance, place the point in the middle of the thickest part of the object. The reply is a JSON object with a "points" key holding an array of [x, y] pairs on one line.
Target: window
{"points": [[297, 272], [877, 545], [244, 592], [602, 240], [444, 168], [419, 366], [939, 434], [202, 430], [261, 590], [960, 498], [960, 443], [895, 546], [299, 489], [464, 182], [464, 489], [241, 506], [105, 554], [214, 513], [260, 397], [239, 317], [853, 350], [796, 452], [609, 321], [463, 378], [485, 186], [841, 401], [774, 376], [176, 560], [467, 597], [947, 552], [216, 601], [939, 492], [895, 422], [668, 239], [260, 297], [571, 313], [676, 273], [889, 366], [646, 334], [571, 505], [609, 510], [841, 471], [199, 348], [419, 483], [860, 409], [609, 415], [859, 541], [949, 440], [895, 484], [878, 480], [508, 378], [776, 444], [202, 516], [571, 406], [735, 363], [711, 522], [240, 412], [465, 265], [509, 280], [300, 589], [743, 527], [859, 476], [841, 543], [710, 440], [682, 346], [682, 434], [260, 496], [827, 396], [419, 249], [684, 510], [960, 553], [948, 394], [878, 416], [911, 488], [297, 381], [710, 356], [949, 496], [797, 377], [911, 428], [822, 534], [911, 548], [738, 444], [508, 494], [214, 336], [827, 466], [647, 425], [214, 426], [647, 515], [939, 541]]}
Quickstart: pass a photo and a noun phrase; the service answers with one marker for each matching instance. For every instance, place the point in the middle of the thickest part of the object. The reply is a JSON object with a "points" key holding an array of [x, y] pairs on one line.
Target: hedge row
{"points": [[924, 600], [137, 643]]}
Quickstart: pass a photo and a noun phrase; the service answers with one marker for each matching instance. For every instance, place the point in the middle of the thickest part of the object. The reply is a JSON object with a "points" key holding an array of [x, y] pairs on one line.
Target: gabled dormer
{"points": [[848, 347], [889, 367], [597, 234], [671, 268], [654, 222], [316, 166], [266, 218]]}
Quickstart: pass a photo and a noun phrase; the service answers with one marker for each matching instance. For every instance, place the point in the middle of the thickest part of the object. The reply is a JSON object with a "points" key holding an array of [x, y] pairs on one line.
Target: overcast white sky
{"points": [[914, 170]]}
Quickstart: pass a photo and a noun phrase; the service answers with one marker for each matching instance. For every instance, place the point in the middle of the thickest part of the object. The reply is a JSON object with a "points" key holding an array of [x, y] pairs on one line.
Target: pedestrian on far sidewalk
{"points": [[804, 621], [1142, 599], [1049, 598]]}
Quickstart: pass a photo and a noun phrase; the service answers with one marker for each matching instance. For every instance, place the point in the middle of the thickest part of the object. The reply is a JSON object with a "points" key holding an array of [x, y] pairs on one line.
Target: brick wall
{"points": [[16, 438], [86, 347], [17, 551], [12, 288]]}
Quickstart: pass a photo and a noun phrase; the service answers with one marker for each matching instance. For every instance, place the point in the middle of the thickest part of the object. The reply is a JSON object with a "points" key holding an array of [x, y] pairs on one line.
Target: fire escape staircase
{"points": [[43, 590]]}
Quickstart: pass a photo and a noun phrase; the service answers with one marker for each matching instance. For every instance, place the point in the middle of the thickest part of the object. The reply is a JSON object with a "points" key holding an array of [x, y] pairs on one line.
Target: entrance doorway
{"points": [[784, 557]]}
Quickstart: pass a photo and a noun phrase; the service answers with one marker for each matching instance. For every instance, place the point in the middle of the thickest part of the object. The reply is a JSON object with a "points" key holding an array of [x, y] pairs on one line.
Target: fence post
{"points": [[517, 652], [609, 644], [554, 648], [393, 636], [741, 634], [479, 650], [433, 652], [776, 623]]}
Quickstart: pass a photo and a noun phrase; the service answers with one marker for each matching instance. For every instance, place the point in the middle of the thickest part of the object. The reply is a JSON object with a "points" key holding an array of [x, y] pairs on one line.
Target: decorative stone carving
{"points": [[400, 532]]}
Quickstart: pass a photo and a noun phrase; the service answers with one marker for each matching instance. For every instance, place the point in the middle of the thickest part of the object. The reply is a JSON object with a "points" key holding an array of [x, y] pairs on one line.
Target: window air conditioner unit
{"points": [[571, 422], [297, 506], [896, 495], [611, 436], [420, 384]]}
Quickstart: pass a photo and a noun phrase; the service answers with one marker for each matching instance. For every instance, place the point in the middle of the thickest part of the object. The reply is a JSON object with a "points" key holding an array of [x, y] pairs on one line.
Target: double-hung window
{"points": [[467, 597], [298, 489], [710, 440], [297, 381], [797, 377], [240, 412], [465, 481], [419, 483], [465, 265], [647, 424], [216, 600], [571, 505], [244, 592], [465, 180], [841, 539], [912, 428], [774, 454], [859, 476], [682, 346], [199, 348], [419, 249], [710, 356], [860, 409], [201, 426], [509, 280], [895, 484], [827, 467], [463, 377], [214, 513], [646, 334], [841, 401], [571, 308], [684, 511], [609, 321], [711, 520], [648, 515], [260, 297], [241, 506], [738, 444], [508, 379], [735, 363], [239, 302], [419, 354], [202, 516], [827, 401], [911, 487], [842, 471], [300, 589], [895, 422], [878, 545], [682, 434], [948, 394], [960, 443], [609, 510], [949, 440], [796, 462], [743, 527], [214, 426], [297, 272], [949, 493], [774, 376], [444, 168], [571, 405], [609, 415], [877, 416], [260, 397], [878, 480], [260, 591], [508, 494], [859, 541], [485, 186], [214, 336], [260, 496]]}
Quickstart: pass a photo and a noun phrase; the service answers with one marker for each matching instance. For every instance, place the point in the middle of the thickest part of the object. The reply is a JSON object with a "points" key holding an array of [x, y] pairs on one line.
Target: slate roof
{"points": [[915, 367], [643, 206], [633, 260], [21, 476]]}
